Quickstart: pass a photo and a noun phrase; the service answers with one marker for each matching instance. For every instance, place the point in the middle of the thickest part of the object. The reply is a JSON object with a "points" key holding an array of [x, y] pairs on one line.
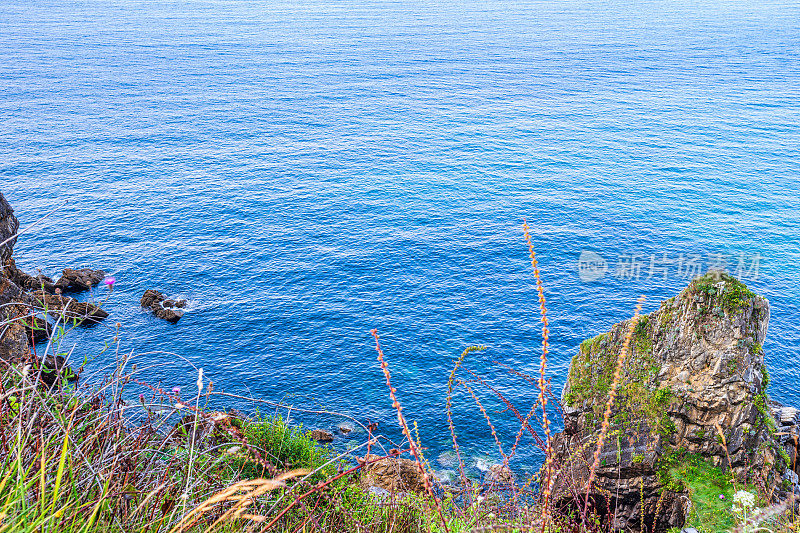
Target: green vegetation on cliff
{"points": [[733, 296], [639, 404]]}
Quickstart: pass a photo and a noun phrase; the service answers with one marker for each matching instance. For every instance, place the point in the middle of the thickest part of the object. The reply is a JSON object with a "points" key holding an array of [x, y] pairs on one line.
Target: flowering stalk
{"points": [[449, 405], [542, 382], [406, 432], [612, 394], [193, 435]]}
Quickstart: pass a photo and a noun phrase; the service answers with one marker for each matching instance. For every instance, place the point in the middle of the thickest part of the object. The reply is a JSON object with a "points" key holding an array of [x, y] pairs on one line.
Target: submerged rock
{"points": [[163, 308], [320, 435], [693, 381]]}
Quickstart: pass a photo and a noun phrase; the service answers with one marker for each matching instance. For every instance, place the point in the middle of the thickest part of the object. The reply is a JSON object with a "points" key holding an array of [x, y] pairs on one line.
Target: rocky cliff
{"points": [[8, 228], [694, 382], [13, 338], [26, 301]]}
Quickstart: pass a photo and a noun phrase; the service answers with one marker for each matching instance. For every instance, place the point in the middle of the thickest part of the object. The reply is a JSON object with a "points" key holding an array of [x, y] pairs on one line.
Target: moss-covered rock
{"points": [[693, 380]]}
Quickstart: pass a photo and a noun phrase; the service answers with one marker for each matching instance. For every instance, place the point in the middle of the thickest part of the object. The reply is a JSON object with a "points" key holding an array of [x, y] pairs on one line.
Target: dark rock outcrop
{"points": [[390, 474], [23, 297], [55, 370], [13, 336], [80, 279], [693, 382], [9, 225], [163, 308], [26, 281], [69, 308]]}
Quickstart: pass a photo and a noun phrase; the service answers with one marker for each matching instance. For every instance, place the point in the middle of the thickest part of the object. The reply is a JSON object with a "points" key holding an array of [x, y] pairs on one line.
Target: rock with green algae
{"points": [[693, 381]]}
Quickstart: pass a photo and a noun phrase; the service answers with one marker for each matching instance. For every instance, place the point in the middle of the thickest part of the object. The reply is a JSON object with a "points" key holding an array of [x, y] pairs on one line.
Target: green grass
{"points": [[704, 483], [286, 447], [86, 471]]}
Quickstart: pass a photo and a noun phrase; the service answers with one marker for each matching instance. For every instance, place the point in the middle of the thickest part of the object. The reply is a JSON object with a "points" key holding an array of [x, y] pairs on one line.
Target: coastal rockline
{"points": [[26, 300]]}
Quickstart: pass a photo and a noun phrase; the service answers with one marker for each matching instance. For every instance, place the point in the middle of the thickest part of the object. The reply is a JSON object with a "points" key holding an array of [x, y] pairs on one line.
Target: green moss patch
{"points": [[638, 404], [733, 297]]}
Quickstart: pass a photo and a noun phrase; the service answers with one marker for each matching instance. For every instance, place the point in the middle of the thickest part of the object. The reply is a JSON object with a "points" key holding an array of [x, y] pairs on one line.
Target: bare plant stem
{"points": [[612, 394], [450, 382], [406, 432]]}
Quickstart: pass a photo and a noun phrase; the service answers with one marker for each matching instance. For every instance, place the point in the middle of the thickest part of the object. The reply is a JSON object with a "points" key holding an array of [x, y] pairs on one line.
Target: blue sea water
{"points": [[306, 171]]}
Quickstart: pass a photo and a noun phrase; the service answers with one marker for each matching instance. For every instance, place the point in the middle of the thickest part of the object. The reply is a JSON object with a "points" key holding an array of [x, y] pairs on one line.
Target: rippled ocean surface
{"points": [[304, 172]]}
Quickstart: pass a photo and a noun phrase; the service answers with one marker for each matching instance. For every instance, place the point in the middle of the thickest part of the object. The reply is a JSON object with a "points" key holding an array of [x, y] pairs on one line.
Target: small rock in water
{"points": [[391, 474], [163, 308], [320, 435], [500, 474], [345, 428]]}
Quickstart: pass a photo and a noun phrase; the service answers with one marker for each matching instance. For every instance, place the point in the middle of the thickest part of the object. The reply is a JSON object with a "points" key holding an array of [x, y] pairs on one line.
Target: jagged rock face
{"points": [[693, 381], [19, 325], [391, 474], [163, 308], [13, 336], [8, 227]]}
